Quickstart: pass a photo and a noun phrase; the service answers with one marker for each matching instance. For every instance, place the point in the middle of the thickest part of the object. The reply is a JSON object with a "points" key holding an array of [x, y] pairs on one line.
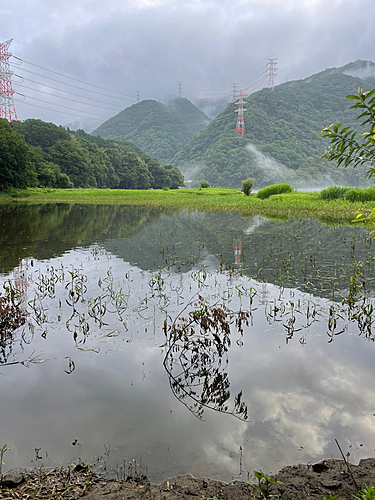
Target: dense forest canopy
{"points": [[159, 130], [281, 143], [36, 153]]}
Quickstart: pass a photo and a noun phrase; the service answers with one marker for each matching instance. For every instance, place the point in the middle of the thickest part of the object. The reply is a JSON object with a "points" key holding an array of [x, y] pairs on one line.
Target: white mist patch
{"points": [[255, 223], [191, 173], [264, 162], [365, 71]]}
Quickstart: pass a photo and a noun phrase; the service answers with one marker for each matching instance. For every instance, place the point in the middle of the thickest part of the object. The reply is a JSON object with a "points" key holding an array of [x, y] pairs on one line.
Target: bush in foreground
{"points": [[350, 194], [274, 189], [204, 184], [247, 186], [360, 194], [333, 193]]}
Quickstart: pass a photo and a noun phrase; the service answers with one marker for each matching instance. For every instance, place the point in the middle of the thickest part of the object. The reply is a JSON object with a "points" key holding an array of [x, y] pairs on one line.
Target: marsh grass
{"points": [[281, 207]]}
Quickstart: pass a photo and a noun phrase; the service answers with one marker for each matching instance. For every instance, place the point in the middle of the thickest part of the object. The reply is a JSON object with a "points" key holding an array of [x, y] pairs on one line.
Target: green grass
{"points": [[281, 207], [268, 191]]}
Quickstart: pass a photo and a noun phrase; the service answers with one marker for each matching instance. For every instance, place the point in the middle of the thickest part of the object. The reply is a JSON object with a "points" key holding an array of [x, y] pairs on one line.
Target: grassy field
{"points": [[281, 207]]}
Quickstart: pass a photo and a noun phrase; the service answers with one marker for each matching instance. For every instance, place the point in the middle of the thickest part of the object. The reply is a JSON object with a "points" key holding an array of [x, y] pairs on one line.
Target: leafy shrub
{"points": [[360, 194], [165, 188], [333, 193], [274, 189], [247, 186], [204, 184]]}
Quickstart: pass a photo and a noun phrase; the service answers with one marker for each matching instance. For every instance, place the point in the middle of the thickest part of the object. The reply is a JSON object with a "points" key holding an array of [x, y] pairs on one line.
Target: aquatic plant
{"points": [[196, 357], [3, 450]]}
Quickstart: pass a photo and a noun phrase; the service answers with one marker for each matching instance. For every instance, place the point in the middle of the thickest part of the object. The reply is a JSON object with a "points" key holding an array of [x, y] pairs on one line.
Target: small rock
{"points": [[12, 478], [331, 485], [320, 467]]}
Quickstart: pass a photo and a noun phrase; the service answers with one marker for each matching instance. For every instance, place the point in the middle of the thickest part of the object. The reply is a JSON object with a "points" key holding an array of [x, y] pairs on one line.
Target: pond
{"points": [[190, 342]]}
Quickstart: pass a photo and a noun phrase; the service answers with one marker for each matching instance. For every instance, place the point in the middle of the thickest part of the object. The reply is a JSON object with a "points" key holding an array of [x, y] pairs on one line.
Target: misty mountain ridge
{"points": [[281, 142], [159, 130], [365, 70]]}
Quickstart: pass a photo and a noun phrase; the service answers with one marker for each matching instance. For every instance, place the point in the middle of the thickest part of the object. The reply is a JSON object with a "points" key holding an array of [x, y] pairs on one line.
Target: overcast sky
{"points": [[150, 45]]}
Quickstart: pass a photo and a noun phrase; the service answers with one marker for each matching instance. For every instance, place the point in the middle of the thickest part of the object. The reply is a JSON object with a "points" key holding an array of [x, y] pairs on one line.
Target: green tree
{"points": [[15, 167], [204, 184], [40, 133], [73, 161], [346, 146], [247, 186], [350, 149], [175, 178]]}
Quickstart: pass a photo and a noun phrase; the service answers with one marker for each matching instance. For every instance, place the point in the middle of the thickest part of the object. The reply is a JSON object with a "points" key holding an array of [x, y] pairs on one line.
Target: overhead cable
{"points": [[72, 78], [75, 86], [54, 110], [64, 91], [65, 98], [59, 105]]}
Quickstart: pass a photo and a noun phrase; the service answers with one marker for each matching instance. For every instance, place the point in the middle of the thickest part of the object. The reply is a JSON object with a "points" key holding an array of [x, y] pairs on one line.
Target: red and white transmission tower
{"points": [[7, 109], [240, 127], [272, 73]]}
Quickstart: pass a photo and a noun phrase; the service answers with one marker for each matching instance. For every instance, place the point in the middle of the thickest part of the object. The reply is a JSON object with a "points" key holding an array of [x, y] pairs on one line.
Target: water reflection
{"points": [[126, 342]]}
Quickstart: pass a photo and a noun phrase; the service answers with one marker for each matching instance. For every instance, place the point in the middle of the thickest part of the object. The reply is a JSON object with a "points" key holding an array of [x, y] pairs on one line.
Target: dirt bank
{"points": [[300, 482]]}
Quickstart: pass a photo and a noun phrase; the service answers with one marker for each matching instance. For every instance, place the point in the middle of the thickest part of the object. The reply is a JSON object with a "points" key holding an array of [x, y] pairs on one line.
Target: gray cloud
{"points": [[149, 45]]}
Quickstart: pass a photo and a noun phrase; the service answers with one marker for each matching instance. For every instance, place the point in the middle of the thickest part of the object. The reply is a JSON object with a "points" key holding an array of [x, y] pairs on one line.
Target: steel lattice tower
{"points": [[272, 73], [240, 127], [7, 109]]}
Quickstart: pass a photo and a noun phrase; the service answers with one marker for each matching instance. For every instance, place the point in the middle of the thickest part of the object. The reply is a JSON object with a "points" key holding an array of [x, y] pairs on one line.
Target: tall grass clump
{"points": [[360, 194], [333, 193], [274, 189]]}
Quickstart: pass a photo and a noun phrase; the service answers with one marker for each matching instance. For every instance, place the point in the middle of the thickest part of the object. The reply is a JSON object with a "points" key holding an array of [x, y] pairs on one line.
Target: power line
{"points": [[61, 90], [49, 109], [65, 98], [59, 105], [255, 75], [72, 78], [74, 86]]}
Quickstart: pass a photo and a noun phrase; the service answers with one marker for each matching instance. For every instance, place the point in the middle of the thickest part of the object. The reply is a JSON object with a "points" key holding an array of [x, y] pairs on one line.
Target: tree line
{"points": [[34, 153]]}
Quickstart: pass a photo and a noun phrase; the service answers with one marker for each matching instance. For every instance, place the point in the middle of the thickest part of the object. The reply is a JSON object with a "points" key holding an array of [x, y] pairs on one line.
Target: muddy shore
{"points": [[312, 481]]}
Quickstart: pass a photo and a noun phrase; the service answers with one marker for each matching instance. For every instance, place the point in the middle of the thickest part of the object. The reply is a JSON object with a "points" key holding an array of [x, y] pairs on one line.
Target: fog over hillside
{"points": [[105, 56]]}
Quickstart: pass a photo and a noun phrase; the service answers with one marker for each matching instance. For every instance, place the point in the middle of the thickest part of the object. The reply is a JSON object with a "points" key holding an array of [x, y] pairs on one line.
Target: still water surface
{"points": [[104, 286]]}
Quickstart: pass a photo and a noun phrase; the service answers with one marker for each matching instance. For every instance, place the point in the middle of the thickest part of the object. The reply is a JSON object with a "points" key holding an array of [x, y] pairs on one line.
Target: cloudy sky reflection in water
{"points": [[300, 398]]}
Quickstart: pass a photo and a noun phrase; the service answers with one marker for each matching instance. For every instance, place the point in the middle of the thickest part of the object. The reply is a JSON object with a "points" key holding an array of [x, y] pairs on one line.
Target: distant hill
{"points": [[281, 141], [159, 130], [365, 70], [212, 107], [46, 155]]}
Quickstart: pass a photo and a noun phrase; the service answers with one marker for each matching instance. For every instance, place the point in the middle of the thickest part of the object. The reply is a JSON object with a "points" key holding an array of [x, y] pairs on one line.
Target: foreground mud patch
{"points": [[301, 482]]}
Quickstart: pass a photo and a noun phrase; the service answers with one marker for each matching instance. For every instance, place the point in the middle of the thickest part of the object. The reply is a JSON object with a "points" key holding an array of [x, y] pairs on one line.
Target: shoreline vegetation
{"points": [[280, 207], [325, 480]]}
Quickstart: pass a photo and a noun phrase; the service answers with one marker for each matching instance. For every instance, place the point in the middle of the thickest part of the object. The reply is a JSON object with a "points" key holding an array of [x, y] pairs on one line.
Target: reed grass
{"points": [[282, 206]]}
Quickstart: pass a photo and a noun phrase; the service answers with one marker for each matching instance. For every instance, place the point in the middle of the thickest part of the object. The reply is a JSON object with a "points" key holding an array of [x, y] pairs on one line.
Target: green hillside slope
{"points": [[281, 141], [36, 153], [160, 131]]}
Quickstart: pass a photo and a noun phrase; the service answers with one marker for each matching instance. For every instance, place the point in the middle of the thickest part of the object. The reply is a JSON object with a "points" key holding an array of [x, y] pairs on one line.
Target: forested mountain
{"points": [[281, 142], [159, 130], [36, 153], [212, 107]]}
